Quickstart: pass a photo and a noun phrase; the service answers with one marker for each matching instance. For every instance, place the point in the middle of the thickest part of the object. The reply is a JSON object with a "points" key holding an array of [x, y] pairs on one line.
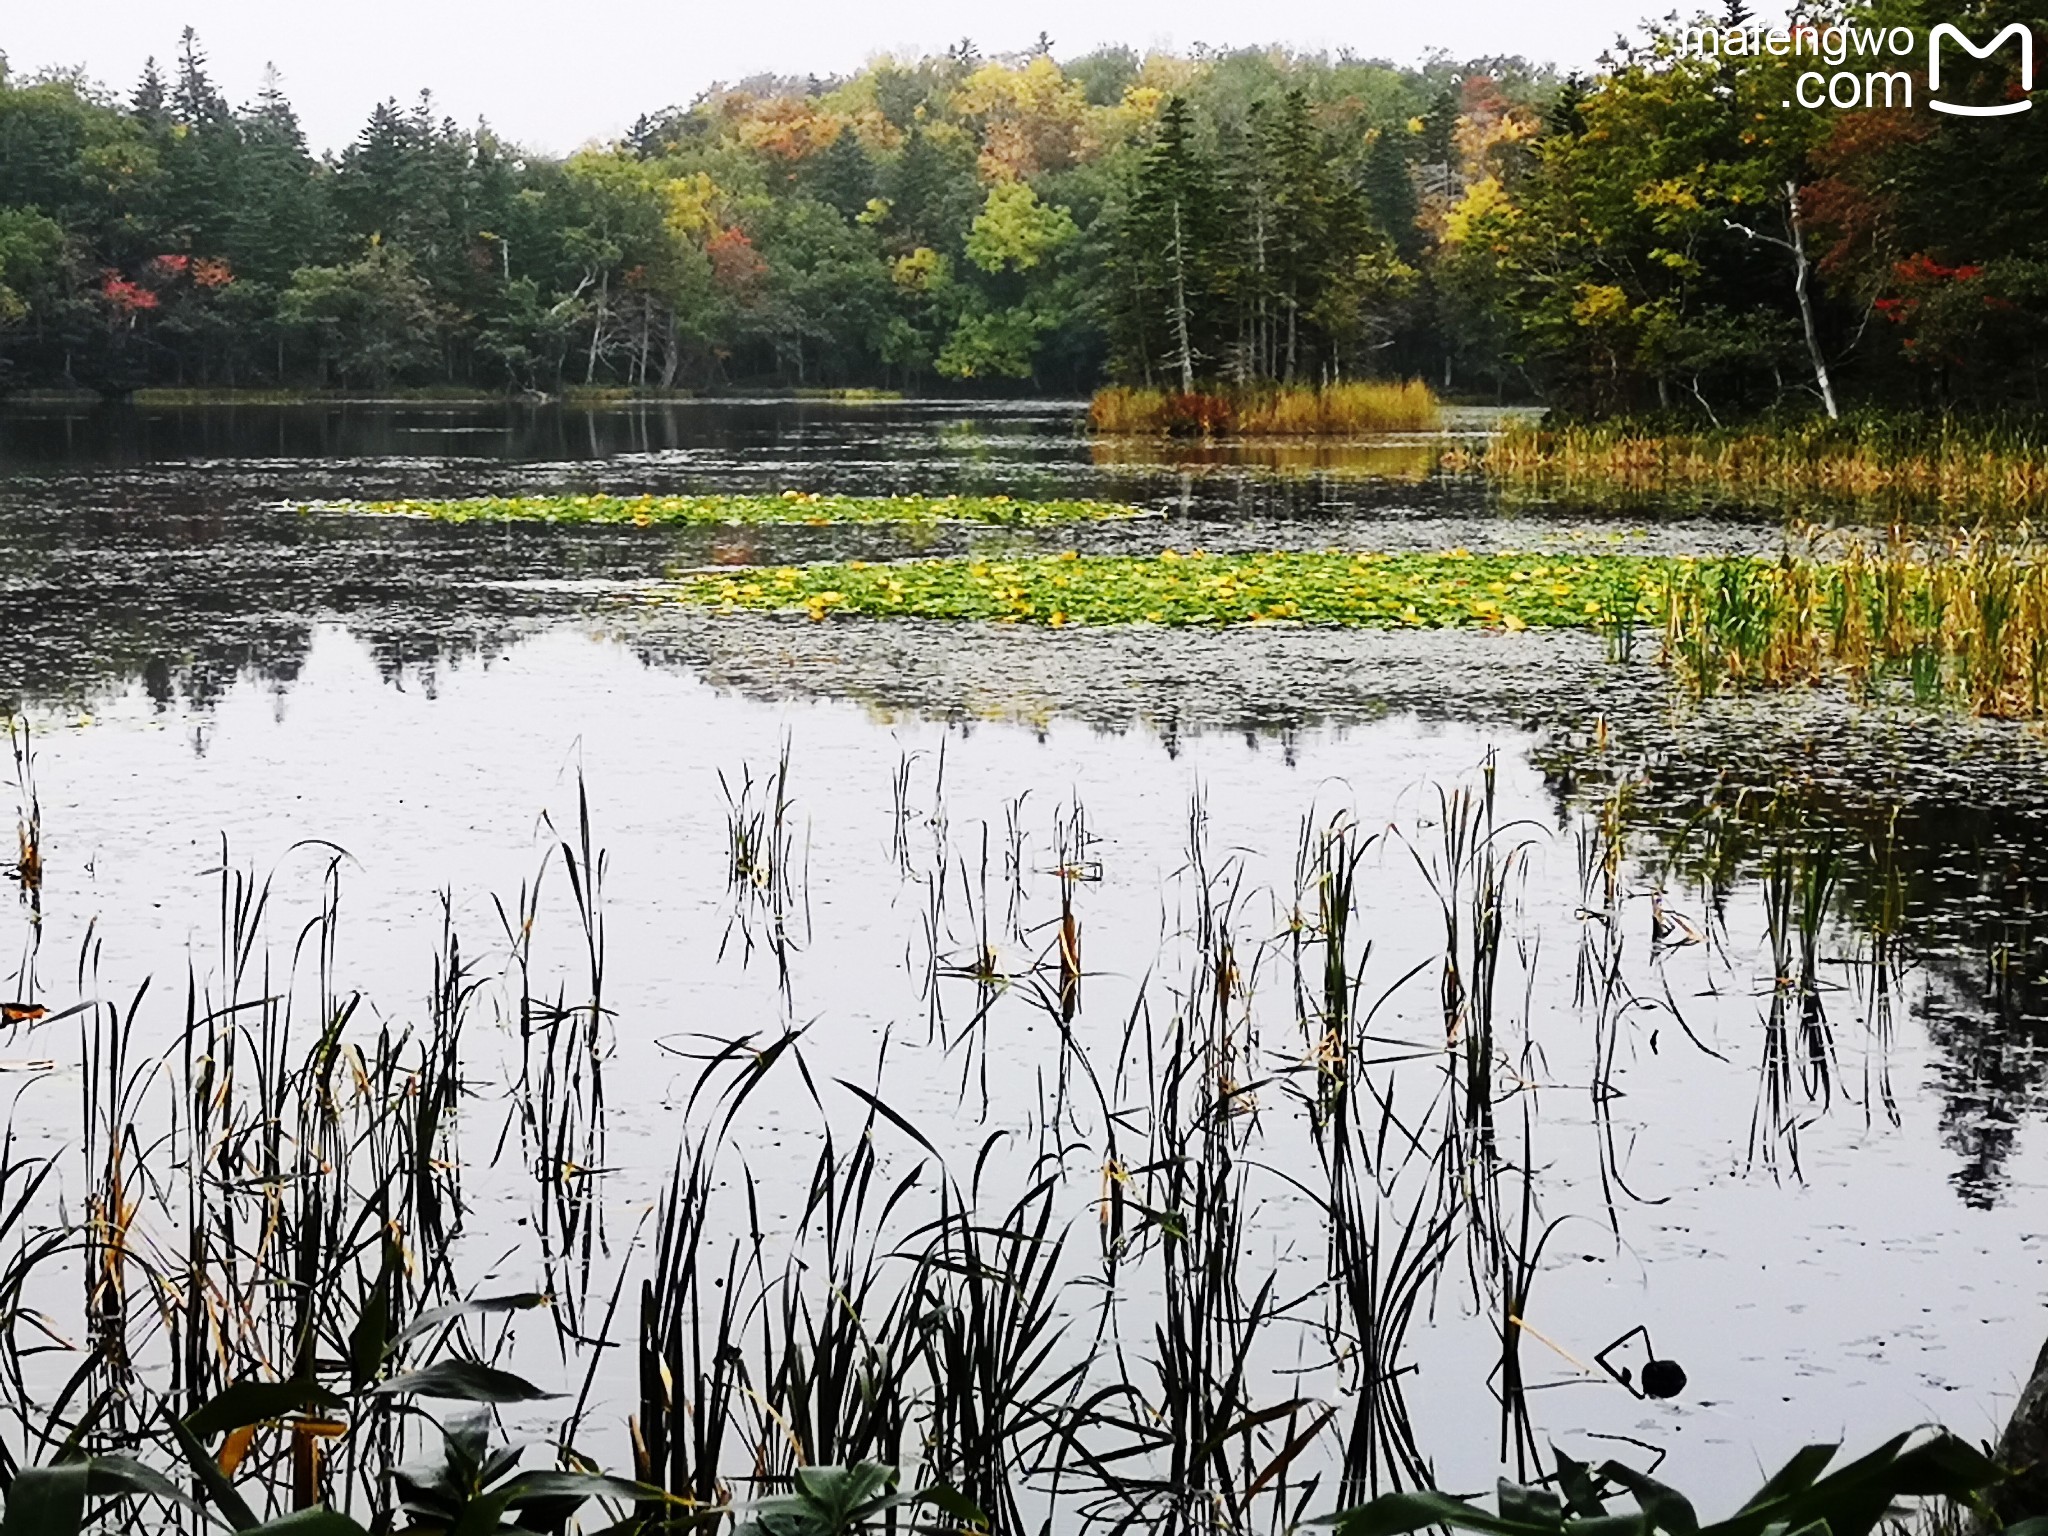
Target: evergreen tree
{"points": [[1389, 189], [1169, 252], [150, 99], [1564, 117], [195, 101], [842, 176]]}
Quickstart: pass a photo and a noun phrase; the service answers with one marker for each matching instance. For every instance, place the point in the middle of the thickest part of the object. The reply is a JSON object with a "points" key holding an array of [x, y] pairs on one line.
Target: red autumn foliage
{"points": [[735, 265], [1923, 273], [173, 268], [1853, 205], [125, 297]]}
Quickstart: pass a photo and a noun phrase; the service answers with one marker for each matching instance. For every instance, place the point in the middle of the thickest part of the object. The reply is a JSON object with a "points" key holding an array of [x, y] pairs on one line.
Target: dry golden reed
{"points": [[1989, 468], [1288, 410]]}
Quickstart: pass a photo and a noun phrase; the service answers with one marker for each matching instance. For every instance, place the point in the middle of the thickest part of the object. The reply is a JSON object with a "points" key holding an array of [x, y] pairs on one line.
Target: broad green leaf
{"points": [[1796, 1475], [429, 1320], [528, 1487], [50, 1501], [948, 1500], [828, 1501], [1575, 1482], [466, 1380], [1396, 1514], [1665, 1508], [46, 1501], [1527, 1505], [252, 1402], [371, 1337]]}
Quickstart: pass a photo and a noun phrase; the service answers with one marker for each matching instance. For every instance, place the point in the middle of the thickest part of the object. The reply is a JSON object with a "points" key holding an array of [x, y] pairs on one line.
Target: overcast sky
{"points": [[553, 76]]}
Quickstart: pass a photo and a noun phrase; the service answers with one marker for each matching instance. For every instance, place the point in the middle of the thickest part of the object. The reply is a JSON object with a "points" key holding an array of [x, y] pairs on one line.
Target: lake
{"points": [[1157, 1077]]}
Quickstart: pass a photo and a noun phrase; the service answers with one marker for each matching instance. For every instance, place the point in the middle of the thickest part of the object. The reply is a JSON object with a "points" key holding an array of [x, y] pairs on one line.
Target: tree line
{"points": [[1674, 232]]}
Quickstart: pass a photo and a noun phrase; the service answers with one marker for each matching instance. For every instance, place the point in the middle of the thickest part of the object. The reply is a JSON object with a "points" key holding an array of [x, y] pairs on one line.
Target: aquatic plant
{"points": [[1276, 410], [1452, 589], [269, 1316], [26, 870], [1899, 463], [1852, 1500], [1961, 616], [734, 509]]}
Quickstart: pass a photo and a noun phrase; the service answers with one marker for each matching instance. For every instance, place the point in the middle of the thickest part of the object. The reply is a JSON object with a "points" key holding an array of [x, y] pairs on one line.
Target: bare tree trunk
{"points": [[1182, 343], [597, 324], [1799, 268], [672, 354]]}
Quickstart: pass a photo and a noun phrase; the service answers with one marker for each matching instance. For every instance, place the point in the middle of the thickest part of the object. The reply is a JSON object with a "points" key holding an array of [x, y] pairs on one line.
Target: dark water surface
{"points": [[1829, 1212]]}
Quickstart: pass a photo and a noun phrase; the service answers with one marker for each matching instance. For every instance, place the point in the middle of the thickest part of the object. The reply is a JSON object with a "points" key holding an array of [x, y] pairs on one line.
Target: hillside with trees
{"points": [[1668, 233]]}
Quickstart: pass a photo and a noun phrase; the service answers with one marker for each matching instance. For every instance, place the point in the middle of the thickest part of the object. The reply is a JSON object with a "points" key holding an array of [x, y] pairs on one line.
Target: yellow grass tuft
{"points": [[1286, 410]]}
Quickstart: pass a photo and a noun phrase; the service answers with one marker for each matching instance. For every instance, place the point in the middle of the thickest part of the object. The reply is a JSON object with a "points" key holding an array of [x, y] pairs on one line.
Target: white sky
{"points": [[553, 76]]}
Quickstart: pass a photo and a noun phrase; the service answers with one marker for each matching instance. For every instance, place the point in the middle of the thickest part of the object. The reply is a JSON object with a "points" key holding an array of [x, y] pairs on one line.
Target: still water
{"points": [[1762, 1042]]}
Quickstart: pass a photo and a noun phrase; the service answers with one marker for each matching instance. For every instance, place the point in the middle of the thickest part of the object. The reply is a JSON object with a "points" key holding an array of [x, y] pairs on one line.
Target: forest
{"points": [[1673, 232]]}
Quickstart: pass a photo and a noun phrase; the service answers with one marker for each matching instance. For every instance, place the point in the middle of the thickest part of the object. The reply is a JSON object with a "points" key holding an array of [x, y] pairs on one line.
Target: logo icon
{"points": [[2004, 109]]}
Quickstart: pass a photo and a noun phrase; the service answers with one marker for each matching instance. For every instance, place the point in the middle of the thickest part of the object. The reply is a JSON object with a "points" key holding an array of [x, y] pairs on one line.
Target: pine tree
{"points": [[195, 101], [932, 196], [1251, 213], [1300, 198], [279, 220], [148, 101], [1389, 189], [840, 175], [1169, 251], [1564, 116]]}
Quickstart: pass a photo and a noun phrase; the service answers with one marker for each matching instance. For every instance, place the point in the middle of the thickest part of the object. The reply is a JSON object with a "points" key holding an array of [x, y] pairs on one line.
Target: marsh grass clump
{"points": [[807, 507], [1280, 410], [1962, 618], [1452, 589], [1900, 463]]}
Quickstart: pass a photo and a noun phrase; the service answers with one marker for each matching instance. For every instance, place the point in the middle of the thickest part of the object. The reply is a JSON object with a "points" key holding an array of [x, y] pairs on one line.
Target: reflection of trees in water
{"points": [[1993, 1071], [198, 674], [198, 680], [1934, 860]]}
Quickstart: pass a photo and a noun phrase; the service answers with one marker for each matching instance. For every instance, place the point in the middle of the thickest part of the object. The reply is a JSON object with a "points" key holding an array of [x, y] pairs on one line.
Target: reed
{"points": [[265, 1266], [27, 869], [1897, 463], [1354, 409], [1962, 617]]}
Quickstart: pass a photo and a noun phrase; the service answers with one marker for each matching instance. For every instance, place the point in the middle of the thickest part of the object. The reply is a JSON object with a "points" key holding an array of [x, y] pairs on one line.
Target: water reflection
{"points": [[159, 553], [1916, 842]]}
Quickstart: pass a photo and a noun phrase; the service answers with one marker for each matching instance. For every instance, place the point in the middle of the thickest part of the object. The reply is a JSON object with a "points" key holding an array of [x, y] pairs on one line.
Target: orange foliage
{"points": [[1031, 118], [1489, 126], [787, 127]]}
